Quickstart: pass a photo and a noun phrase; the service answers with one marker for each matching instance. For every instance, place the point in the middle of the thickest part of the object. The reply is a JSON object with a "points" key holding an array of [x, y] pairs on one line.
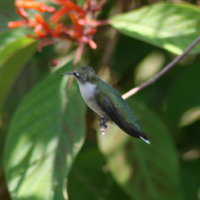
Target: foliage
{"points": [[170, 26], [45, 135], [137, 156], [51, 147]]}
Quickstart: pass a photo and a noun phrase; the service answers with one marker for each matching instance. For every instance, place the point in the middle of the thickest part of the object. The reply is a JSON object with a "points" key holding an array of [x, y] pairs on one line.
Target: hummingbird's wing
{"points": [[119, 116]]}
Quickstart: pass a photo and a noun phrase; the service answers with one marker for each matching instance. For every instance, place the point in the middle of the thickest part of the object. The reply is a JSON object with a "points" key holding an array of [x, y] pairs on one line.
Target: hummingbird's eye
{"points": [[80, 77], [77, 75]]}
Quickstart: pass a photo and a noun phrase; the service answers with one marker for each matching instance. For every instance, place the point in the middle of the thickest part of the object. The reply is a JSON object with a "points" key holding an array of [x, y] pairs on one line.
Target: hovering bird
{"points": [[107, 102]]}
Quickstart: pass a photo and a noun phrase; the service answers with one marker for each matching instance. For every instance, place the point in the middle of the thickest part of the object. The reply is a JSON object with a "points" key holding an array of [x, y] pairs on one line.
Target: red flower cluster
{"points": [[81, 29]]}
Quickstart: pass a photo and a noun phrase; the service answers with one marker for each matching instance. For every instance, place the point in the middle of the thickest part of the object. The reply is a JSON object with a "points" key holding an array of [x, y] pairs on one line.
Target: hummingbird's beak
{"points": [[68, 73]]}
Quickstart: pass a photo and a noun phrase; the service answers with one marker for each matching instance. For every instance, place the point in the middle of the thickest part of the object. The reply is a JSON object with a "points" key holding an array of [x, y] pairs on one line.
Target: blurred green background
{"points": [[50, 143]]}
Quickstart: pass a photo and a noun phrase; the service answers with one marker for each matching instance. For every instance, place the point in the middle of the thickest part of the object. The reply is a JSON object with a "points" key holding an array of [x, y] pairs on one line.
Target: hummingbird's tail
{"points": [[139, 134], [145, 139]]}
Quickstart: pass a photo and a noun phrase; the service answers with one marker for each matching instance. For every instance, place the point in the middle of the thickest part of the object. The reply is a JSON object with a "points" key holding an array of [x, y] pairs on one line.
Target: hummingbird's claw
{"points": [[103, 131], [102, 124]]}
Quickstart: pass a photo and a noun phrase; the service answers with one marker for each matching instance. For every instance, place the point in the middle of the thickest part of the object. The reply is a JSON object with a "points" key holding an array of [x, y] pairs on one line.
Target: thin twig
{"points": [[163, 71]]}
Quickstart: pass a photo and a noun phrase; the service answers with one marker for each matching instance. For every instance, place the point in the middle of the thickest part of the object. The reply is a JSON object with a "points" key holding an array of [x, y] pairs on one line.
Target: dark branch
{"points": [[163, 71]]}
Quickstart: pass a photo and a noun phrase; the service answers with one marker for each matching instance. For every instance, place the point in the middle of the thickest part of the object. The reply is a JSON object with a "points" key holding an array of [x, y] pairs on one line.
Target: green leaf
{"points": [[123, 59], [10, 36], [13, 58], [191, 181], [45, 136], [89, 171], [144, 171], [7, 13], [166, 25], [183, 101]]}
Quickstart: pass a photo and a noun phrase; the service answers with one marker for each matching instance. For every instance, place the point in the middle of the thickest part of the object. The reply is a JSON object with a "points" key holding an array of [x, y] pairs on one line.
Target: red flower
{"points": [[67, 6], [29, 4], [81, 29]]}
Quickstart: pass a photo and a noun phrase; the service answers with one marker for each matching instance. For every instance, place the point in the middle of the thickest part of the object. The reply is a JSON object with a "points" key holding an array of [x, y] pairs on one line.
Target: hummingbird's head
{"points": [[84, 74]]}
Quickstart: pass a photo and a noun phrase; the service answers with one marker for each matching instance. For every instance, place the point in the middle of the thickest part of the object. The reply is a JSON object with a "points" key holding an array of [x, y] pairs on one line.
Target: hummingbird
{"points": [[107, 103]]}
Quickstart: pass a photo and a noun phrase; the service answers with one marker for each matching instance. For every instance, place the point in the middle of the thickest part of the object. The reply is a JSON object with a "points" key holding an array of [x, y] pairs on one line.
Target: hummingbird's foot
{"points": [[102, 124]]}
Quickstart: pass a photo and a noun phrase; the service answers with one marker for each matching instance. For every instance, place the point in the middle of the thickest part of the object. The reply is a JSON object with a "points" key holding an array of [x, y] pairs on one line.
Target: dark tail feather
{"points": [[141, 135], [145, 139]]}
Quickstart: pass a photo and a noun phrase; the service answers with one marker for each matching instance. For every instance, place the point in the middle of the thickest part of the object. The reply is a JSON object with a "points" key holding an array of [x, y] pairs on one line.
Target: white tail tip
{"points": [[145, 140]]}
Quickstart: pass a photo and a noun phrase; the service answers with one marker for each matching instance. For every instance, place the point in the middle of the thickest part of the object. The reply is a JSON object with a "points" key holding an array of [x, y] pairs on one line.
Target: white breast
{"points": [[88, 93], [87, 90]]}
